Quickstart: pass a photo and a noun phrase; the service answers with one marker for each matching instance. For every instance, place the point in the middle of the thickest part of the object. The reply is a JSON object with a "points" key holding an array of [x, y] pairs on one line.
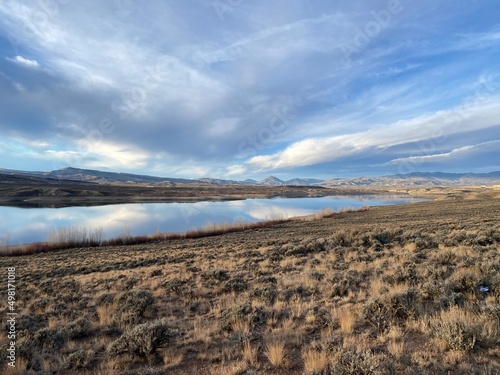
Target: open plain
{"points": [[412, 289]]}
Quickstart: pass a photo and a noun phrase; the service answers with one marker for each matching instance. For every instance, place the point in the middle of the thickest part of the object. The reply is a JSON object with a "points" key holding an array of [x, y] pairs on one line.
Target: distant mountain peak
{"points": [[271, 181], [409, 180]]}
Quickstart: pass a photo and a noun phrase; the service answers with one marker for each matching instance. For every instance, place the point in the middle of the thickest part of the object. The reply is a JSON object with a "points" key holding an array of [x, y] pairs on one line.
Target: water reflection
{"points": [[25, 225]]}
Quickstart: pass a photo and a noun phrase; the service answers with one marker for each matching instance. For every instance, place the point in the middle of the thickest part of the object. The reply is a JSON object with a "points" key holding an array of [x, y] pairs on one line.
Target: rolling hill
{"points": [[416, 179]]}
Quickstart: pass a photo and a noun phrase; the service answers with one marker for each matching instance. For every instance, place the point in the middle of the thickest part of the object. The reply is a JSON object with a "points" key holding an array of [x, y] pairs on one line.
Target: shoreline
{"points": [[78, 201], [207, 230], [82, 201], [67, 194], [95, 195], [436, 194]]}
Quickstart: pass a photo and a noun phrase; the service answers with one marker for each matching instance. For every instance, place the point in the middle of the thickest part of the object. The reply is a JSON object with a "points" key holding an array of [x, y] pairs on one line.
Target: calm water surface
{"points": [[25, 225]]}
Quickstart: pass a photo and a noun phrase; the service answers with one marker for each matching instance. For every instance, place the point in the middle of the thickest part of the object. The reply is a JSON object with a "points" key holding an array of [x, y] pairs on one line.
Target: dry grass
{"points": [[347, 319], [456, 327], [241, 325], [315, 362], [172, 358], [389, 290], [227, 369], [397, 344], [106, 314], [249, 353], [19, 369], [75, 237], [276, 354]]}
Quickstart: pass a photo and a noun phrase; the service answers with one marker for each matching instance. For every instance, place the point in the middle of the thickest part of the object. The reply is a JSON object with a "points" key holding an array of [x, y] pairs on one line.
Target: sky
{"points": [[240, 89]]}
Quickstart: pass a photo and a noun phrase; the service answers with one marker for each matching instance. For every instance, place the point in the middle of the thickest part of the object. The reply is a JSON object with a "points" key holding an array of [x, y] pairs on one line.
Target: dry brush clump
{"points": [[276, 354], [411, 289], [144, 340]]}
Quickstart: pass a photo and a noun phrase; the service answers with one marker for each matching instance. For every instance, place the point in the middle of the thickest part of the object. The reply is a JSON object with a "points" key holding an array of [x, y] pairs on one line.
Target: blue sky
{"points": [[247, 88]]}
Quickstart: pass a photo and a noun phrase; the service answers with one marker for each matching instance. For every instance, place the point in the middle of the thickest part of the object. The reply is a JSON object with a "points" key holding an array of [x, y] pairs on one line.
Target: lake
{"points": [[26, 225]]}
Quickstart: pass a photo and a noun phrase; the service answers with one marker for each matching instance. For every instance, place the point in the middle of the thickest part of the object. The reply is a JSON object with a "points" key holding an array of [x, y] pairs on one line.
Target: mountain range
{"points": [[415, 179]]}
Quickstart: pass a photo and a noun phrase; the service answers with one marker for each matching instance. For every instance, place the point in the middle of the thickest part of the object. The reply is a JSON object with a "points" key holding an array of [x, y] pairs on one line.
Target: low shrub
{"points": [[144, 339], [245, 312], [392, 308], [464, 280], [457, 327], [49, 339], [78, 329], [237, 284], [77, 360], [451, 299], [356, 362], [134, 305], [266, 294], [216, 275]]}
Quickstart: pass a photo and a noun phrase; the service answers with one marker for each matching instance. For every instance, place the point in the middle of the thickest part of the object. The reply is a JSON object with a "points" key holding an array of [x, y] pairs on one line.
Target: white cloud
{"points": [[92, 57], [113, 155], [97, 155], [27, 63], [480, 115], [236, 170], [180, 84], [451, 156], [285, 39], [478, 40], [30, 143]]}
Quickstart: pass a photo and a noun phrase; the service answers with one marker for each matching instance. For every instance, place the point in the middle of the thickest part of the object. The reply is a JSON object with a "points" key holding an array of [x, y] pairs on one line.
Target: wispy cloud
{"points": [[479, 116], [452, 156], [31, 64]]}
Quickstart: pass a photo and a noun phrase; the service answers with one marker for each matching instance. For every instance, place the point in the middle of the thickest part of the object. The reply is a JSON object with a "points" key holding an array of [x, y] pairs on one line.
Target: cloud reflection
{"points": [[32, 225]]}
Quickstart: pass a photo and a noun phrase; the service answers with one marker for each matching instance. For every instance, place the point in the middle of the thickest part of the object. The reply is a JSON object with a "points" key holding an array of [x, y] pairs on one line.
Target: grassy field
{"points": [[411, 289]]}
